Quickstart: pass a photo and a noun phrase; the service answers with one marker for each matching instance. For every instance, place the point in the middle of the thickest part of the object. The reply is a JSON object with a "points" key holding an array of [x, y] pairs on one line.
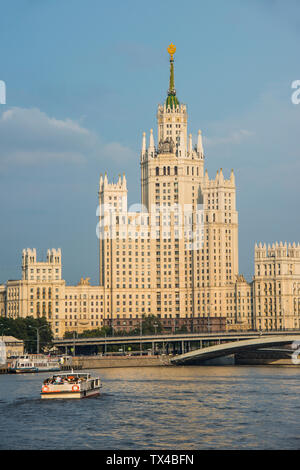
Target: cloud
{"points": [[265, 135], [235, 137], [266, 163], [118, 152], [30, 137]]}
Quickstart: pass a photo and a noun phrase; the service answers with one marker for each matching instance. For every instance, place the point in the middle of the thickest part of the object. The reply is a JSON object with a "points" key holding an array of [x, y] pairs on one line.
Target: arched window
{"points": [[157, 171], [165, 171], [169, 171], [175, 170]]}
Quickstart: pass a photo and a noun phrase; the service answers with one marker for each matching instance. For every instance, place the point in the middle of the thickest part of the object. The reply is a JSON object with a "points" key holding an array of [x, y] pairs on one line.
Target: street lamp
{"points": [[284, 319], [105, 345], [141, 333], [74, 333], [155, 329], [112, 325], [38, 328], [208, 318]]}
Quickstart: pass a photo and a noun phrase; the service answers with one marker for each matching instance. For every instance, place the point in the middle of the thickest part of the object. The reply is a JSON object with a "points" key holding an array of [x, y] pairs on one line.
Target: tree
{"points": [[25, 330], [182, 329], [150, 325], [96, 333]]}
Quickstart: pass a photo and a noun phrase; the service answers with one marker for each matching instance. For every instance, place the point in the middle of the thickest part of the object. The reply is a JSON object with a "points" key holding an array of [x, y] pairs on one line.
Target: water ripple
{"points": [[158, 408]]}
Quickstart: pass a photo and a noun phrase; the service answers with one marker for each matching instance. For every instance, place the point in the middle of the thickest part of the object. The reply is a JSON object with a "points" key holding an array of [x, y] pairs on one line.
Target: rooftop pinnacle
{"points": [[172, 100]]}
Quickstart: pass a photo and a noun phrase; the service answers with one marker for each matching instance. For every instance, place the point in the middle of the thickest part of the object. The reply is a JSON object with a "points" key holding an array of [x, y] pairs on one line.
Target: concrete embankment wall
{"points": [[96, 362]]}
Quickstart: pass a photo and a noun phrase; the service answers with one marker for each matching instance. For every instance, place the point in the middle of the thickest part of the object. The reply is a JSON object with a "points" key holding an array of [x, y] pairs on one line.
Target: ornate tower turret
{"points": [[173, 157], [172, 116]]}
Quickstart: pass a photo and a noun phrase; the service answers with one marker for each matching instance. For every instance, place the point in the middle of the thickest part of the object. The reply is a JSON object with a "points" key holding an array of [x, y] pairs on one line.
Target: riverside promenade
{"points": [[103, 362]]}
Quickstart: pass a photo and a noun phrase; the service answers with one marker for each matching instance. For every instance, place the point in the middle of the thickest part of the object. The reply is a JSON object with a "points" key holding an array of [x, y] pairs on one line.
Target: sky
{"points": [[83, 81]]}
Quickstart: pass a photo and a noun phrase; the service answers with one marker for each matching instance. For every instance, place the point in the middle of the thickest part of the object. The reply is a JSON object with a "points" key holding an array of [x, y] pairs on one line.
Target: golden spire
{"points": [[171, 50], [172, 100]]}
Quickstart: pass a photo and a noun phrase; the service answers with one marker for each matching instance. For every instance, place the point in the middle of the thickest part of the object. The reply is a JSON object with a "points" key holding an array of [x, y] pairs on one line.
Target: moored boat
{"points": [[34, 363], [71, 385]]}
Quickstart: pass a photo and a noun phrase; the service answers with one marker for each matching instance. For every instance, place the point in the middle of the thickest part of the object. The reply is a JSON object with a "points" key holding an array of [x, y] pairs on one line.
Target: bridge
{"points": [[181, 343], [204, 354]]}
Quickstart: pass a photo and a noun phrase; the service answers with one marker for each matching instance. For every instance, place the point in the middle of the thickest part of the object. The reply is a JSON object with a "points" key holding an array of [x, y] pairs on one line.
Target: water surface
{"points": [[158, 408]]}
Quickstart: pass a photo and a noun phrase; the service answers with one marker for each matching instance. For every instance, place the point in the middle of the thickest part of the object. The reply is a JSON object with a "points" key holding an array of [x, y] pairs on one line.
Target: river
{"points": [[190, 408]]}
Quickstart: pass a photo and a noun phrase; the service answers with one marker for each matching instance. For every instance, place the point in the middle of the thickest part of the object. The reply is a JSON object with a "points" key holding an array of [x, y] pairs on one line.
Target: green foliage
{"points": [[96, 333], [148, 328], [183, 329], [150, 325], [25, 329]]}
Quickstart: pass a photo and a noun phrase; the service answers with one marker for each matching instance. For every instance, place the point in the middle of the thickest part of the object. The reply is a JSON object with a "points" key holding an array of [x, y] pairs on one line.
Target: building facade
{"points": [[175, 256], [14, 346], [276, 293]]}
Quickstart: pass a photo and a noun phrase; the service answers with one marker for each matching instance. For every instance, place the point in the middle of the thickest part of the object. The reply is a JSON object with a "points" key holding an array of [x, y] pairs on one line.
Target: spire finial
{"points": [[172, 100], [171, 50]]}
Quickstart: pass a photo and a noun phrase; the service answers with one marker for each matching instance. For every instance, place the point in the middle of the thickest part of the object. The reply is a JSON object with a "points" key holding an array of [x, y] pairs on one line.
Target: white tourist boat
{"points": [[34, 363], [71, 385]]}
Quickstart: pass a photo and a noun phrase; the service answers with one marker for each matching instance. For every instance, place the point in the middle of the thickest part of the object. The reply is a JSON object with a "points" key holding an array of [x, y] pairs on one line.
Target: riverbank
{"points": [[103, 362], [110, 362]]}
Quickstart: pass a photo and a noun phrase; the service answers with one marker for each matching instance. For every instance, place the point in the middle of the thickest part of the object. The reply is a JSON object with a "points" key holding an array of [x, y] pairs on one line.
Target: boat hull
{"points": [[34, 363], [69, 394], [33, 369], [22, 370]]}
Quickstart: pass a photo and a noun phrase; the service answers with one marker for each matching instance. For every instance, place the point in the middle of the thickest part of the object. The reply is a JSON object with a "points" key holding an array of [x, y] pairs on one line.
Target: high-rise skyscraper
{"points": [[178, 257]]}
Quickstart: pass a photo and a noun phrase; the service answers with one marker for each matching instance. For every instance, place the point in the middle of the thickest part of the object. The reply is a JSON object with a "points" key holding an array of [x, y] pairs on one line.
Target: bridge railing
{"points": [[187, 335]]}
